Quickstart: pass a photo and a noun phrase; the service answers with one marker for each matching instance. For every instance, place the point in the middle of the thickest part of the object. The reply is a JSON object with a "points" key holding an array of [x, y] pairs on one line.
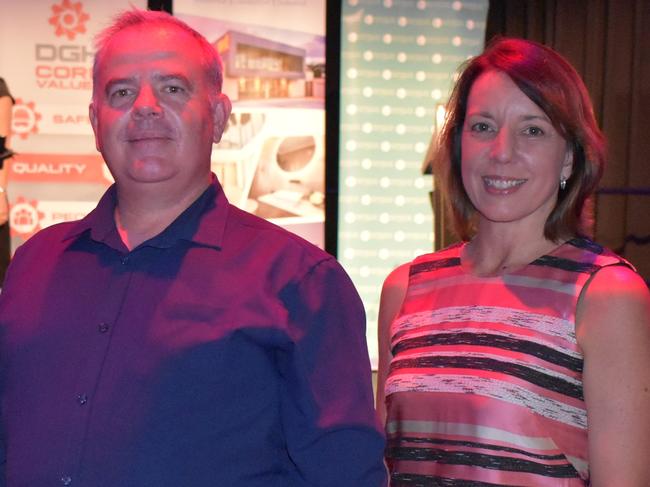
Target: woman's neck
{"points": [[495, 251]]}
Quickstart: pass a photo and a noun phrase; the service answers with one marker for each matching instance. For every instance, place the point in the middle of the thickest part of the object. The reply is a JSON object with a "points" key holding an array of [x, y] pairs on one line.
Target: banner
{"points": [[398, 60], [46, 55], [271, 160]]}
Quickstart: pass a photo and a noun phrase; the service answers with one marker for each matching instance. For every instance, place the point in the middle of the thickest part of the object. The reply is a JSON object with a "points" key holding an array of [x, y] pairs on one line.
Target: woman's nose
{"points": [[502, 146]]}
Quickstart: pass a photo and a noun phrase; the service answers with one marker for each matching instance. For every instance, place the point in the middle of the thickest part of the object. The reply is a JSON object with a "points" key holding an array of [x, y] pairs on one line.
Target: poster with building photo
{"points": [[46, 57], [271, 160]]}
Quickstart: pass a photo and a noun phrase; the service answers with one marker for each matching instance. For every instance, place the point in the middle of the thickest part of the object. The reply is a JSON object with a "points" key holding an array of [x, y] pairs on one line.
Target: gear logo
{"points": [[24, 119], [25, 218], [69, 19]]}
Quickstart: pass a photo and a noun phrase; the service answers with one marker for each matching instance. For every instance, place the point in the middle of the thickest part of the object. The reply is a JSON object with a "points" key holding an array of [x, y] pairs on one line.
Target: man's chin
{"points": [[150, 170]]}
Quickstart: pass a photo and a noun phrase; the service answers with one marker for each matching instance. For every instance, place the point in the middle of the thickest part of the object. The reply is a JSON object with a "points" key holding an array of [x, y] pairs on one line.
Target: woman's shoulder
{"points": [[398, 276], [592, 254], [450, 252], [397, 280]]}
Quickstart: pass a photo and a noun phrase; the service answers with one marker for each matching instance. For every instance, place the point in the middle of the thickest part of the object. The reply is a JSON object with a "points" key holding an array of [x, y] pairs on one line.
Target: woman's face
{"points": [[512, 156]]}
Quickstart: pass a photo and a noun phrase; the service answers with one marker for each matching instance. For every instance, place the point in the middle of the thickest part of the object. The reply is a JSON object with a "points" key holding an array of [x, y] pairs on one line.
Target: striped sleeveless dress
{"points": [[485, 384]]}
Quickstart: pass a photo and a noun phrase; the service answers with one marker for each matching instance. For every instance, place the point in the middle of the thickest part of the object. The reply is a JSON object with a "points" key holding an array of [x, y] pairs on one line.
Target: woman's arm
{"points": [[613, 329], [5, 116], [4, 201], [392, 296], [5, 131]]}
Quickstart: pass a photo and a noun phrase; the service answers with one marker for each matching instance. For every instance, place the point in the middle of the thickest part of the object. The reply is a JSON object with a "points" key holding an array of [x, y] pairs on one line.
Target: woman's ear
{"points": [[567, 164]]}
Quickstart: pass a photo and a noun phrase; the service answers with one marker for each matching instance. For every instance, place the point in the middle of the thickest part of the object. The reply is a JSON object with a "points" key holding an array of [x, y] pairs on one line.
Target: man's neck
{"points": [[140, 215]]}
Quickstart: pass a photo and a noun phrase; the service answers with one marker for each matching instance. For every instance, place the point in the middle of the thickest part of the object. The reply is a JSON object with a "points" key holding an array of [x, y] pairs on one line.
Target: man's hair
{"points": [[152, 19], [552, 84]]}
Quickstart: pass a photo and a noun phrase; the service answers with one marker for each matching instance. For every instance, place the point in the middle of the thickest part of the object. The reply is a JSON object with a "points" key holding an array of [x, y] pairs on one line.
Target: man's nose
{"points": [[146, 103], [502, 146]]}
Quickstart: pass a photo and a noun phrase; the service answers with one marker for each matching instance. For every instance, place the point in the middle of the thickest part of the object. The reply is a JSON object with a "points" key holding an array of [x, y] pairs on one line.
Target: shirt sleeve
{"points": [[4, 293], [332, 432]]}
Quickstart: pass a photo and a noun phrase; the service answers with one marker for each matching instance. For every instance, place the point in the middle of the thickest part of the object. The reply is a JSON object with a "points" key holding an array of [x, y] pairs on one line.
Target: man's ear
{"points": [[221, 109], [93, 122]]}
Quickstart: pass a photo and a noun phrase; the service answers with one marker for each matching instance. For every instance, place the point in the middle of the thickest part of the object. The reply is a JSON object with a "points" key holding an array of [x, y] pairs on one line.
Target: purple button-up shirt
{"points": [[223, 352]]}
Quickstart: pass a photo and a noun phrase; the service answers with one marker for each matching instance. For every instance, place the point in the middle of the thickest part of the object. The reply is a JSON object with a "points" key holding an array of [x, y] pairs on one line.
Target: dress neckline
{"points": [[507, 272]]}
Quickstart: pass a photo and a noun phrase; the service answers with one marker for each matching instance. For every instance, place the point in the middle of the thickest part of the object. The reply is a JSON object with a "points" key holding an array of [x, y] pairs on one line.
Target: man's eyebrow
{"points": [[117, 81], [173, 77]]}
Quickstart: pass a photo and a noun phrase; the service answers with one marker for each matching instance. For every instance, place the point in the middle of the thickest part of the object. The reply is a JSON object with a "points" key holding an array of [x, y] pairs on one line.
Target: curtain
{"points": [[607, 43]]}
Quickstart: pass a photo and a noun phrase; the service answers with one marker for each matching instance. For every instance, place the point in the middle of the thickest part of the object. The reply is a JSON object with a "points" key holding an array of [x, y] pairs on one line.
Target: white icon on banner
{"points": [[24, 218], [24, 119]]}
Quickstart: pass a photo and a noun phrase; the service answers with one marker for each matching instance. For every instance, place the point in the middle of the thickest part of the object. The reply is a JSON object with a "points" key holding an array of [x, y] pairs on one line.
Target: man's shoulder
{"points": [[38, 254], [49, 237], [257, 231]]}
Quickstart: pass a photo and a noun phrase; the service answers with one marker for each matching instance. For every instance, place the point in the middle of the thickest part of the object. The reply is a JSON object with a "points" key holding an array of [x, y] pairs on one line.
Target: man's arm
{"points": [[332, 433]]}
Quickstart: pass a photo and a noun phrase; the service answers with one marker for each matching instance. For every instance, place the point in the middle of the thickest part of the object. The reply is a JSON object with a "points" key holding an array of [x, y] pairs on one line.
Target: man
{"points": [[168, 338]]}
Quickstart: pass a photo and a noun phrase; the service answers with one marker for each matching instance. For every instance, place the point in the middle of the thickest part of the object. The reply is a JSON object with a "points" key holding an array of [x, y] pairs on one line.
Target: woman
{"points": [[6, 103], [520, 355]]}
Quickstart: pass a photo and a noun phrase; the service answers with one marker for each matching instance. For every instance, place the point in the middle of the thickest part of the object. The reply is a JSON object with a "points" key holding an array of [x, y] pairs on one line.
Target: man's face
{"points": [[155, 114]]}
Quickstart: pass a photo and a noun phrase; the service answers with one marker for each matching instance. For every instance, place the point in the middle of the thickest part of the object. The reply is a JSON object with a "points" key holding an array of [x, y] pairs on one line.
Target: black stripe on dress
{"points": [[546, 381], [395, 441], [490, 340], [434, 265], [586, 244], [473, 459], [565, 264]]}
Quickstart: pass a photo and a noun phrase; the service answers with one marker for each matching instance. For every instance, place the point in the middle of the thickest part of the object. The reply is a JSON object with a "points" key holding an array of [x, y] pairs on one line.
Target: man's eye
{"points": [[120, 93], [174, 89]]}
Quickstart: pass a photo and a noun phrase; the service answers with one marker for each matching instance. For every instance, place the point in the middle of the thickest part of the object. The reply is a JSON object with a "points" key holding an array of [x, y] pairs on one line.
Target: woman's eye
{"points": [[480, 127], [535, 131]]}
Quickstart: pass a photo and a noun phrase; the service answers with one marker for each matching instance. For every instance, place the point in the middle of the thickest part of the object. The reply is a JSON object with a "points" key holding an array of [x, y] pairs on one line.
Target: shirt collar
{"points": [[202, 223]]}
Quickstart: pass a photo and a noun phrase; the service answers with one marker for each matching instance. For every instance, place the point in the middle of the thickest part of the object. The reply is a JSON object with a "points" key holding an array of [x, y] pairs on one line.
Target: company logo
{"points": [[49, 169], [25, 218], [69, 19], [26, 167], [24, 119], [63, 67]]}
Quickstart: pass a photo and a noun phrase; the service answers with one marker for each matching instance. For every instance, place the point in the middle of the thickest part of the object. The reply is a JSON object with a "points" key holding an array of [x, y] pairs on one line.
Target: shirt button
{"points": [[66, 480], [103, 327], [81, 399], [125, 260]]}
